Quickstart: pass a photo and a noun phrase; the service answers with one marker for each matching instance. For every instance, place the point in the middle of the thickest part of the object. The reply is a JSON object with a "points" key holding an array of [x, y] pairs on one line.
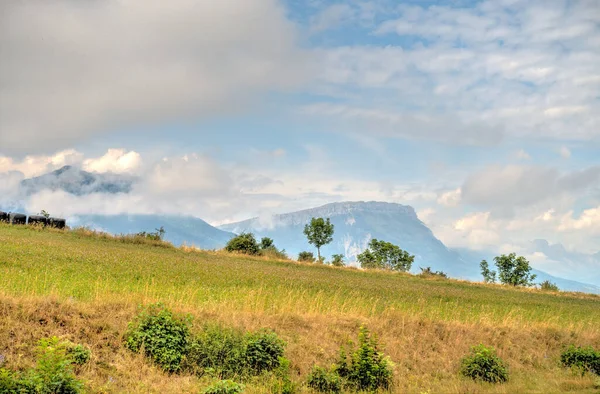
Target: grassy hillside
{"points": [[86, 288]]}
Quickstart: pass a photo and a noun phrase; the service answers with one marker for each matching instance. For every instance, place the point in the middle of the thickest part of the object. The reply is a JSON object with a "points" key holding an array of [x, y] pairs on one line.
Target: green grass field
{"points": [[86, 288]]}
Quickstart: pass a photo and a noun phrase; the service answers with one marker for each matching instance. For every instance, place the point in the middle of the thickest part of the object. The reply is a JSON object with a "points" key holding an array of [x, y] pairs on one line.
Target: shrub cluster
{"points": [[337, 260], [217, 351], [157, 235], [483, 364], [162, 336], [548, 286], [307, 257], [224, 387], [584, 358], [246, 243], [53, 373], [324, 381], [362, 369], [427, 272]]}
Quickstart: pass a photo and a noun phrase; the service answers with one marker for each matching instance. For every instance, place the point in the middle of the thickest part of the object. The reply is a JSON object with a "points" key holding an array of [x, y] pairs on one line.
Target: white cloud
{"points": [[425, 214], [446, 128], [72, 69], [33, 165], [513, 186], [514, 68], [588, 220], [451, 198], [115, 160]]}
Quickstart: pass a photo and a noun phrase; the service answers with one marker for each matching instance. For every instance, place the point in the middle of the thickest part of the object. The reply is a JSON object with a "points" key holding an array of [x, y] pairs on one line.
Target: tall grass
{"points": [[426, 325]]}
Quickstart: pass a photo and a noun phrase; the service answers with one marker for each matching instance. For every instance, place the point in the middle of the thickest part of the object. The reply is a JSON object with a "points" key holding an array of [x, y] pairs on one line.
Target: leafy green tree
{"points": [[489, 276], [368, 260], [385, 255], [266, 243], [319, 232], [243, 243], [514, 271], [337, 260]]}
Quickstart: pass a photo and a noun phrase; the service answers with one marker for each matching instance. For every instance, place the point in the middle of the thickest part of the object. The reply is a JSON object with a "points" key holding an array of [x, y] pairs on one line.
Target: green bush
{"points": [[53, 373], [264, 350], [324, 381], [584, 358], [549, 286], [266, 243], [243, 243], [162, 336], [385, 255], [218, 351], [483, 364], [15, 383], [224, 387], [427, 272], [229, 353], [337, 260], [79, 354], [366, 368], [306, 257]]}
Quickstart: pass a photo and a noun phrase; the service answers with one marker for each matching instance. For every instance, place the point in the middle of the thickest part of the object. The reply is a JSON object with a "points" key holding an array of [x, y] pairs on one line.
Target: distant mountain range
{"points": [[76, 181], [356, 223], [178, 229]]}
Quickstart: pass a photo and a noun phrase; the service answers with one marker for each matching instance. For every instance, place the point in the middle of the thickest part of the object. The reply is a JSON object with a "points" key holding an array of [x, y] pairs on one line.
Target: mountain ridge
{"points": [[76, 181]]}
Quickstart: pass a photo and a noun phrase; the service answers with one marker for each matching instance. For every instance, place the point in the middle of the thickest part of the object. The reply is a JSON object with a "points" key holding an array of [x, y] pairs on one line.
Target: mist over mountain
{"points": [[78, 182]]}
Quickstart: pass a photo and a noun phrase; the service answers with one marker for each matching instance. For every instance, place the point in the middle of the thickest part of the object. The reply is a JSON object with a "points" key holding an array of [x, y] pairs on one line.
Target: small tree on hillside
{"points": [[382, 254], [319, 232], [337, 260], [306, 257], [243, 243], [489, 276], [514, 271], [266, 243]]}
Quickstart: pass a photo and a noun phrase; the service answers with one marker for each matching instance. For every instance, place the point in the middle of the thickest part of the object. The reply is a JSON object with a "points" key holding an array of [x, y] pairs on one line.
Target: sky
{"points": [[482, 115]]}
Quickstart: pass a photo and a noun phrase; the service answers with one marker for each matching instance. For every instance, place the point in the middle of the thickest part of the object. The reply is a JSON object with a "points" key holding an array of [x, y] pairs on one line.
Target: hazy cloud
{"points": [[71, 69], [513, 186]]}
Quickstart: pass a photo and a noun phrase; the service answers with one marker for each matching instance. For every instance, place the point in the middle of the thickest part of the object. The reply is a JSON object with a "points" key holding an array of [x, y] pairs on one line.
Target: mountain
{"points": [[179, 229], [356, 223], [76, 181]]}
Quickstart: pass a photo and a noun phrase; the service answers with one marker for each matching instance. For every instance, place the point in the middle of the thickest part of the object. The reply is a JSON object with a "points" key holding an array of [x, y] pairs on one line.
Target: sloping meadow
{"points": [[86, 289]]}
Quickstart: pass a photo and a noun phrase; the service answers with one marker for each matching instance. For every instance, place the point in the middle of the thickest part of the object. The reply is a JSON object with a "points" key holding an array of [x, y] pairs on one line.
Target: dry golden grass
{"points": [[86, 287]]}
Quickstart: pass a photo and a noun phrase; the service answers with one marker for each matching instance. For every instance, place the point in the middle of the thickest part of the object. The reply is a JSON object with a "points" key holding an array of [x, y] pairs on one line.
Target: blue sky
{"points": [[483, 115]]}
